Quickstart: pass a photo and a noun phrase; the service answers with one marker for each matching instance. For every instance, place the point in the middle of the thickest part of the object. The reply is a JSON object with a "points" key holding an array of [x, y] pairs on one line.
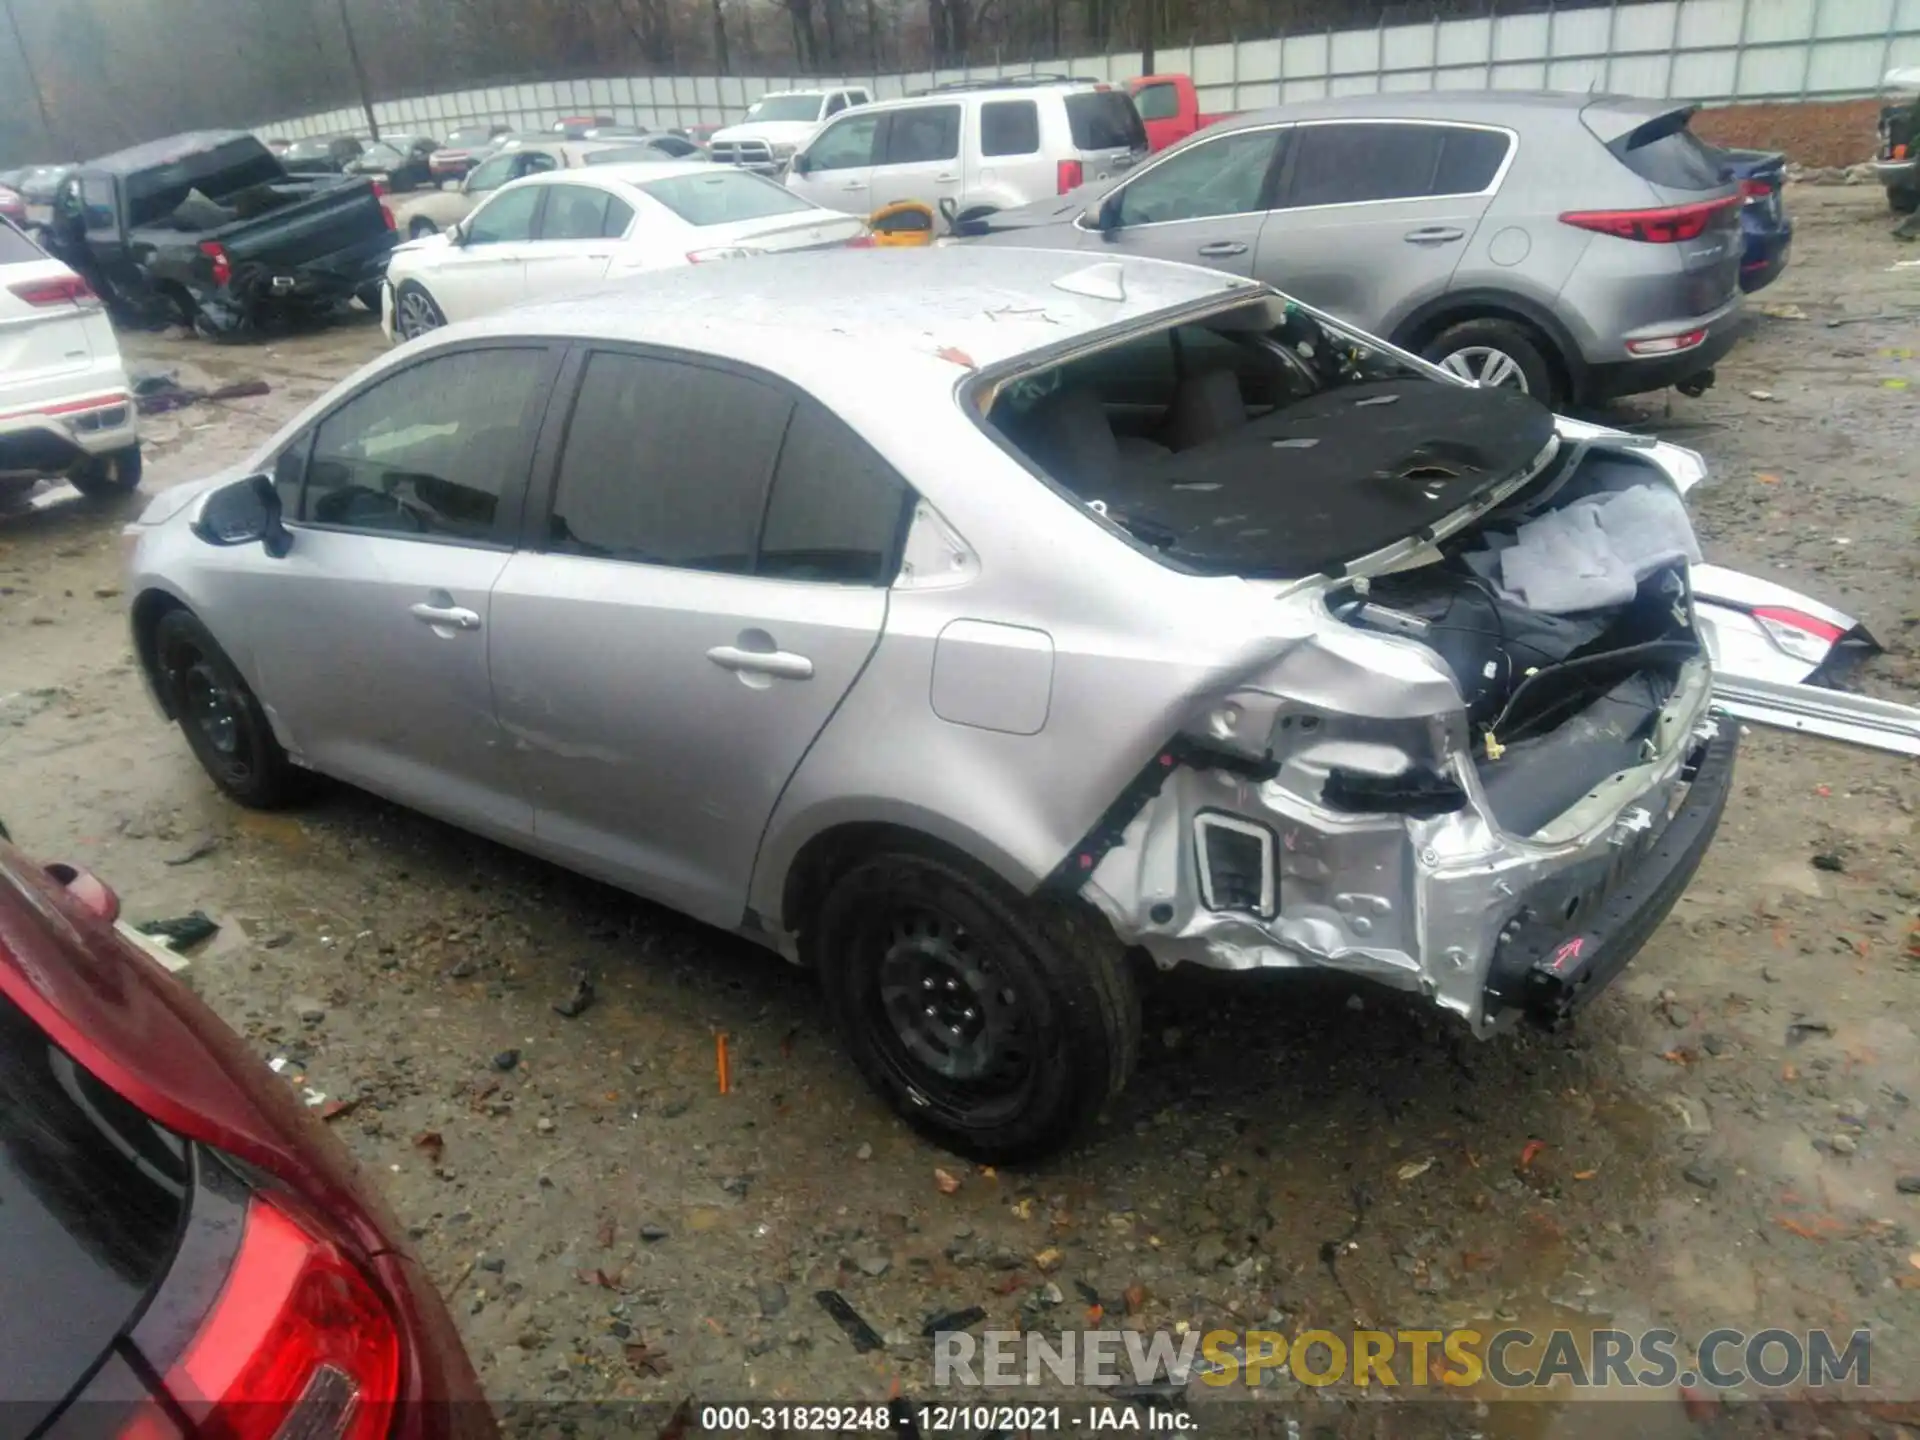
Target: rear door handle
{"points": [[1434, 235], [945, 179], [1219, 248], [854, 185], [777, 663], [455, 617]]}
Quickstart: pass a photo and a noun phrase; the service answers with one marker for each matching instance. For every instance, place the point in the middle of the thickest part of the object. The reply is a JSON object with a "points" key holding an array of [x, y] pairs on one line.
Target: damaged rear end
{"points": [[1482, 762]]}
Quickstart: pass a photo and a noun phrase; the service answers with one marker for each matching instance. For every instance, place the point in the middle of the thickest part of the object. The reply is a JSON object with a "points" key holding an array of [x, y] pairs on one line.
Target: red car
{"points": [[13, 206], [183, 1248]]}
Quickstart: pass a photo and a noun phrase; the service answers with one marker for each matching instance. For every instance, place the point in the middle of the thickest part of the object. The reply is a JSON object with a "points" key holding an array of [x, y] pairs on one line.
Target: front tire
{"points": [[1497, 354], [998, 1027], [414, 311], [108, 476], [1903, 199], [221, 717], [369, 296]]}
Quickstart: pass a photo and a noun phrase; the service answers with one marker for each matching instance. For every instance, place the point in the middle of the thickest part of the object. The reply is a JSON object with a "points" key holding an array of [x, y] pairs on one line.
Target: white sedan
{"points": [[566, 230]]}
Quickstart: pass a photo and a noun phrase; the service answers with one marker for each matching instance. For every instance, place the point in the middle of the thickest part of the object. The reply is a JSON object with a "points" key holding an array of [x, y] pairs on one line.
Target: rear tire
{"points": [[1903, 199], [996, 1026], [108, 476], [415, 312], [1496, 352], [219, 714], [369, 296]]}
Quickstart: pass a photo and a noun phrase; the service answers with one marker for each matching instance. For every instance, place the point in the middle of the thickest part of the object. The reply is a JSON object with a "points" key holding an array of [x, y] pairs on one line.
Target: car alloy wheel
{"points": [[416, 314], [1487, 366]]}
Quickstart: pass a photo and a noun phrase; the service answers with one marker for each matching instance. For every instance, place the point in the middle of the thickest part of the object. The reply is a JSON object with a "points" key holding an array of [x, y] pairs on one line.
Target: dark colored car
{"points": [[211, 227], [322, 154], [401, 162], [1765, 228], [183, 1243], [646, 150]]}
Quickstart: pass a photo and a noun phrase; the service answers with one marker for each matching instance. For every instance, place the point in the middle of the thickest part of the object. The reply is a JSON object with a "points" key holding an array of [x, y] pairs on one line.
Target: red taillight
{"points": [[379, 187], [1070, 176], [1755, 189], [1798, 620], [862, 241], [56, 290], [222, 267], [1665, 226], [387, 216], [299, 1344]]}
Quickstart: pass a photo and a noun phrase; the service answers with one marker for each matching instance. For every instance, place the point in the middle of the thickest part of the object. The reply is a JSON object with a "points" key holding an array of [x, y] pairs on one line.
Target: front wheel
{"points": [[108, 476], [998, 1027], [221, 717], [1497, 354], [414, 311], [1903, 199]]}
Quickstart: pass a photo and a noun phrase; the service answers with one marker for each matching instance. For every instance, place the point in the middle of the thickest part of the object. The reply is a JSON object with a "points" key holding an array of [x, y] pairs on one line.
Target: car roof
{"points": [[961, 94], [1484, 107], [847, 317], [628, 175]]}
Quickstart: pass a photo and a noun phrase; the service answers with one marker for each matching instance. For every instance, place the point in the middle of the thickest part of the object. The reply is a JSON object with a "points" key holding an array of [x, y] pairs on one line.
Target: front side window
{"points": [[506, 219], [922, 134], [666, 464], [836, 104], [426, 451], [1009, 127], [845, 144], [1227, 176]]}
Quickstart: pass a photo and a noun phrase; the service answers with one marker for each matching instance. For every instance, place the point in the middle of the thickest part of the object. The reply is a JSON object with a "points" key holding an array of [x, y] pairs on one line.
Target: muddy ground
{"points": [[1719, 1143]]}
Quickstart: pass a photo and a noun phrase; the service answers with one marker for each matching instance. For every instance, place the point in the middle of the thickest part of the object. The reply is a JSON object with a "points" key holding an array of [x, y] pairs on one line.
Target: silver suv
{"points": [[972, 624], [970, 149], [1576, 247]]}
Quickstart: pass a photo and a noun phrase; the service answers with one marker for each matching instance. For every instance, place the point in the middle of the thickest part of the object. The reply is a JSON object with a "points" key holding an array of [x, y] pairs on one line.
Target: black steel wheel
{"points": [[997, 1026], [220, 716]]}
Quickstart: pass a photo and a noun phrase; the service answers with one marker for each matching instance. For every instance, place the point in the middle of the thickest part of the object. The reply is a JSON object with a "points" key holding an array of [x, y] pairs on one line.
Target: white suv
{"points": [[65, 406], [972, 148], [779, 124]]}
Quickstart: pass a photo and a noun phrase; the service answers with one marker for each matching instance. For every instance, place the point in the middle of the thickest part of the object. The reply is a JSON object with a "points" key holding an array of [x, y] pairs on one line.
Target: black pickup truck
{"points": [[209, 228]]}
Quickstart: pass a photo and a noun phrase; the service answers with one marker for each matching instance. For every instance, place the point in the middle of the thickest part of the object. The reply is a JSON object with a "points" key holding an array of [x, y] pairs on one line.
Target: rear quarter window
{"points": [[1105, 120], [1666, 153]]}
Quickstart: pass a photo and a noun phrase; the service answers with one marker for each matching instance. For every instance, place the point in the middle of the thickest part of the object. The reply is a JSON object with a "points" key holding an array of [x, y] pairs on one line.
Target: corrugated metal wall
{"points": [[1710, 50]]}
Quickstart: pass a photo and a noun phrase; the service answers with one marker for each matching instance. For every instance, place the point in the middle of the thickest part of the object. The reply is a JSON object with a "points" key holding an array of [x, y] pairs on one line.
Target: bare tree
{"points": [[720, 60]]}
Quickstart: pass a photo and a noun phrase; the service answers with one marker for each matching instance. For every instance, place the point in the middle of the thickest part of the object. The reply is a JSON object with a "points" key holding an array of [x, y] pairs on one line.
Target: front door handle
{"points": [[453, 617], [777, 663], [1434, 235], [946, 179], [1219, 249], [854, 185]]}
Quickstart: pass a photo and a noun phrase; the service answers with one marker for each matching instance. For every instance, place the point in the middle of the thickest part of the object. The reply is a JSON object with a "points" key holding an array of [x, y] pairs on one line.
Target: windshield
{"points": [[785, 107], [1266, 441], [469, 138], [725, 196], [309, 150], [379, 157]]}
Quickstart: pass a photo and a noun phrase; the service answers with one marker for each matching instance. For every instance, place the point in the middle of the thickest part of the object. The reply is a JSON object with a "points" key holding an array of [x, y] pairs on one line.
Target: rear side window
{"points": [[1009, 127], [666, 464], [15, 247], [922, 134], [1666, 153], [1157, 102], [836, 508], [1350, 164], [1105, 120], [574, 212]]}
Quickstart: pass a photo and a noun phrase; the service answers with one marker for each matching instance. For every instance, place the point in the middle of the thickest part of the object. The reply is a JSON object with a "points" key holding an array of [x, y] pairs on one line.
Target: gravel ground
{"points": [[1718, 1143]]}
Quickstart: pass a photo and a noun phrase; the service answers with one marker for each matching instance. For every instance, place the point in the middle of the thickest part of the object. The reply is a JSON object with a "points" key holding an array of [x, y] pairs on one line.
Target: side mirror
{"points": [[244, 512], [799, 164], [457, 233], [1104, 217]]}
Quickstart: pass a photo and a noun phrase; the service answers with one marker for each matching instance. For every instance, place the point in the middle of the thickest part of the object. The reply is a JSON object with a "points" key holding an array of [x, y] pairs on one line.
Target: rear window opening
{"points": [[1105, 120], [1266, 441], [1666, 153]]}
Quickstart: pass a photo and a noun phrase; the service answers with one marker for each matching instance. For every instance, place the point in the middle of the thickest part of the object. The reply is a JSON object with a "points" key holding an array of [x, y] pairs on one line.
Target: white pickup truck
{"points": [[779, 124]]}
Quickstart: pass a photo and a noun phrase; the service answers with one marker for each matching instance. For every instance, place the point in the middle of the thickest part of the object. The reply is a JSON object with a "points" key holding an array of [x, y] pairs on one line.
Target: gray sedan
{"points": [[971, 625], [1572, 246]]}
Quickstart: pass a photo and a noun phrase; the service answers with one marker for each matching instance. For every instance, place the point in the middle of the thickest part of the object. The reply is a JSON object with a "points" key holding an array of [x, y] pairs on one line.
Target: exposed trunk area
{"points": [[1560, 695]]}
